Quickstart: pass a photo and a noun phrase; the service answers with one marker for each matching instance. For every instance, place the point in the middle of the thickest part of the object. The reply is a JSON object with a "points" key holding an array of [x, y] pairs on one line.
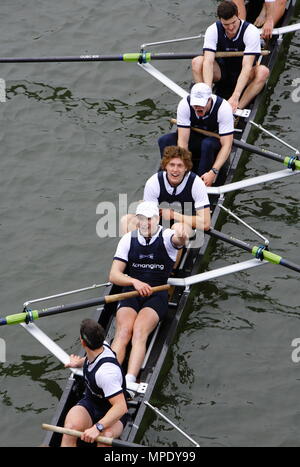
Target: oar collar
{"points": [[260, 252]]}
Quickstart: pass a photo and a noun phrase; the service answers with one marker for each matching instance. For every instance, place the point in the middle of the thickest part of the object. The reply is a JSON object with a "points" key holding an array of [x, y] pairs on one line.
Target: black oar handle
{"points": [[96, 301], [227, 238], [261, 152], [259, 252]]}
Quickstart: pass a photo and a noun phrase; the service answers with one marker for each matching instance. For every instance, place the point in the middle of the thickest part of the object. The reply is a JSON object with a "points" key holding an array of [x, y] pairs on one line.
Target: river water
{"points": [[76, 134]]}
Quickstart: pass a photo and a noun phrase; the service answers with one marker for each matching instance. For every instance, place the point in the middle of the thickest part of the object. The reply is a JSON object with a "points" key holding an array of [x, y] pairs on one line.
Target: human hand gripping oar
{"points": [[292, 162], [28, 316], [260, 252], [101, 439]]}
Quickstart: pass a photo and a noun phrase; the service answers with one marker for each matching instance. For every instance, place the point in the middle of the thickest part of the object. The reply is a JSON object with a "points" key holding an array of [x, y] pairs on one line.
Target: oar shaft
{"points": [[228, 239], [256, 251], [31, 315], [276, 259], [100, 439], [250, 147], [134, 293], [127, 57], [155, 409]]}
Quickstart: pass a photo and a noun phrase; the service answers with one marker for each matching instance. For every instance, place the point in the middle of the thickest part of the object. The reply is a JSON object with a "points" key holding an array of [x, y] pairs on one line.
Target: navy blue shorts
{"points": [[158, 301], [228, 74], [95, 410]]}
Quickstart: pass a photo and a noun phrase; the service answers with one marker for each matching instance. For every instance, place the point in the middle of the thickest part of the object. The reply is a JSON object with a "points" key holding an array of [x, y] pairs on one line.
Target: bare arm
{"points": [[200, 221], [118, 277], [269, 20], [208, 67], [242, 81], [183, 137], [181, 235], [75, 362], [241, 7], [117, 410]]}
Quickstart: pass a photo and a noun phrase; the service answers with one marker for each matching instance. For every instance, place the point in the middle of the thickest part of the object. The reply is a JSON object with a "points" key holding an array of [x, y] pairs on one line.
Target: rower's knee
{"points": [[197, 65], [140, 335], [123, 335], [262, 74]]}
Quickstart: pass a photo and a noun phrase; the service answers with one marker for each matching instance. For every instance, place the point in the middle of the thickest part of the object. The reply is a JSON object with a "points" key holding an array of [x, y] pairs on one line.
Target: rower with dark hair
{"points": [[103, 408], [243, 76]]}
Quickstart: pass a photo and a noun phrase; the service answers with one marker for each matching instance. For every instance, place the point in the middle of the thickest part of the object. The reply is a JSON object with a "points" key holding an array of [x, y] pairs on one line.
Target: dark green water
{"points": [[73, 135]]}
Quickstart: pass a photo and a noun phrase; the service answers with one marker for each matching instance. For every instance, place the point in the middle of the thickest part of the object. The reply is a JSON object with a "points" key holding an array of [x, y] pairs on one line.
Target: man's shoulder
{"points": [[224, 110], [153, 178], [251, 30], [213, 28]]}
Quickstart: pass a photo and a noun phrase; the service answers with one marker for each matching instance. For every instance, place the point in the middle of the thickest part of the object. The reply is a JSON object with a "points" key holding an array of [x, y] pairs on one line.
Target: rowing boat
{"points": [[193, 260]]}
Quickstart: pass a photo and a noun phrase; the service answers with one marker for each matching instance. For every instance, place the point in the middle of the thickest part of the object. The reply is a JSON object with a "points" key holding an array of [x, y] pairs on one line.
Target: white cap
{"points": [[147, 209], [200, 93]]}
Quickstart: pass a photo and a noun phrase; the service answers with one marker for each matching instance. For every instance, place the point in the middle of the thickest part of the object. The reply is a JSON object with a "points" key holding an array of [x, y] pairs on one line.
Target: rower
{"points": [[144, 258], [183, 191], [266, 15], [103, 409], [205, 110], [242, 76]]}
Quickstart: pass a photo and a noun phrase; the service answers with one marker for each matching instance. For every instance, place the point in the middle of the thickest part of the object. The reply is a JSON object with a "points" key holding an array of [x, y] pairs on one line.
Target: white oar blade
{"points": [[164, 79], [218, 190], [286, 29], [50, 345], [220, 272]]}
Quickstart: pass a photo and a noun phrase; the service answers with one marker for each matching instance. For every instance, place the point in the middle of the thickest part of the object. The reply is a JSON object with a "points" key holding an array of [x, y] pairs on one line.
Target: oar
{"points": [[155, 409], [285, 29], [141, 57], [32, 315], [260, 252], [101, 439], [292, 162], [276, 32]]}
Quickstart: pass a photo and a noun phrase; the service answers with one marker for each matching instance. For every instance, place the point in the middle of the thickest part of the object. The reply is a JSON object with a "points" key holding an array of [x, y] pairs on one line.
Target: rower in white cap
{"points": [[144, 258]]}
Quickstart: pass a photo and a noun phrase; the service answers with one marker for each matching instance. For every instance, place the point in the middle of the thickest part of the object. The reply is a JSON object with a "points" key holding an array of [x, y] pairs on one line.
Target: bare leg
{"points": [[279, 10], [113, 431], [260, 75], [241, 7], [260, 20], [79, 419], [145, 323], [197, 70], [125, 319]]}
